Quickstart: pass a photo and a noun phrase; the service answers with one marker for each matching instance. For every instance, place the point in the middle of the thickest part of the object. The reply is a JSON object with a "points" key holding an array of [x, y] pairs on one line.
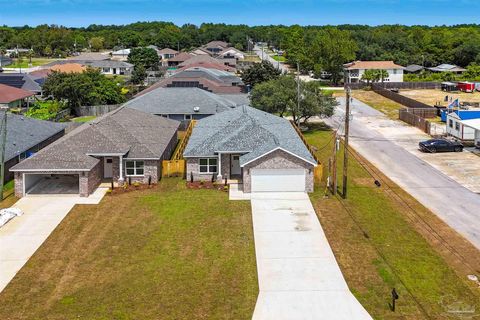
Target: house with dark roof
{"points": [[213, 80], [25, 137], [181, 104], [354, 71], [215, 46], [22, 81], [445, 67], [262, 150], [123, 145], [11, 97], [413, 68], [206, 61], [179, 58]]}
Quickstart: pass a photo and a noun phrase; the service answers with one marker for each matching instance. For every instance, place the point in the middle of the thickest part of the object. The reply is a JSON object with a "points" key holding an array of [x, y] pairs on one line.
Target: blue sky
{"points": [[254, 12]]}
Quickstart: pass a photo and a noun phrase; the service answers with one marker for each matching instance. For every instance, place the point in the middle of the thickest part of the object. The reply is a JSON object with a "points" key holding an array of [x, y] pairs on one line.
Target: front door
{"points": [[107, 167], [235, 166]]}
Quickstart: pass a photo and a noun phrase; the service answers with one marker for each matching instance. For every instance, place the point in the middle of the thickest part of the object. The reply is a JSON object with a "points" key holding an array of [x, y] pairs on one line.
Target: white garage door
{"points": [[278, 180]]}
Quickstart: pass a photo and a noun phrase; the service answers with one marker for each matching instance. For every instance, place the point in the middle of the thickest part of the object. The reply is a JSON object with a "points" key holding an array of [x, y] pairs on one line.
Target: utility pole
{"points": [[262, 50], [334, 165], [345, 152], [298, 93], [2, 151]]}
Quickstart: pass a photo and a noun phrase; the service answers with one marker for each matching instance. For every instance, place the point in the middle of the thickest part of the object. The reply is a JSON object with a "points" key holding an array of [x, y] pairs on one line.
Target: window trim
{"points": [[208, 165], [135, 168], [187, 117]]}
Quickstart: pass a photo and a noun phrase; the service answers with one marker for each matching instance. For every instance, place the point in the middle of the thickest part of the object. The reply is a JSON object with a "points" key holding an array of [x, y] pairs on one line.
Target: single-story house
{"points": [[413, 68], [181, 104], [25, 137], [445, 67], [354, 71], [231, 52], [111, 66], [215, 46], [213, 80], [179, 58], [22, 81], [199, 61], [475, 125], [11, 97], [121, 54], [123, 145], [456, 127], [262, 150]]}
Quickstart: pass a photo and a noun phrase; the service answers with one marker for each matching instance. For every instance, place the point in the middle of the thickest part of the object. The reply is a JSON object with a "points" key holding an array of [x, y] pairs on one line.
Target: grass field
{"points": [[432, 97], [83, 119], [25, 63], [165, 253], [380, 245], [382, 104], [279, 58]]}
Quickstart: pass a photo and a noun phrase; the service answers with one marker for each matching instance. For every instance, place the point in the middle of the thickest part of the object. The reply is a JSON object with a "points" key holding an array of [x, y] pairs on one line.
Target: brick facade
{"points": [[278, 160]]}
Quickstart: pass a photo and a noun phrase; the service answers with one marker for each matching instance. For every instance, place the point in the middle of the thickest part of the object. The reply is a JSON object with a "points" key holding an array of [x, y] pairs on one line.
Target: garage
{"points": [[38, 184], [278, 180]]}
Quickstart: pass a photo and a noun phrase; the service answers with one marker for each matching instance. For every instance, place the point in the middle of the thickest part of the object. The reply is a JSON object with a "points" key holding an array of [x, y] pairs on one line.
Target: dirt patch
{"points": [[432, 96], [207, 185]]}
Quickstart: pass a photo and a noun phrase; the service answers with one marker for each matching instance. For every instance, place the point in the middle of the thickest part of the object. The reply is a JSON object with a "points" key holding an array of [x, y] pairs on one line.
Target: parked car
{"points": [[440, 145]]}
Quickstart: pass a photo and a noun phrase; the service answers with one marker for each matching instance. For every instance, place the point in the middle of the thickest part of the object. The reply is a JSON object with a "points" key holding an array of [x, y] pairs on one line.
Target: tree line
{"points": [[405, 45]]}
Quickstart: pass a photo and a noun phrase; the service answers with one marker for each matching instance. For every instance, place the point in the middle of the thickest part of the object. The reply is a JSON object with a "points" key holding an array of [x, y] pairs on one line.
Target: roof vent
{"points": [[196, 109]]}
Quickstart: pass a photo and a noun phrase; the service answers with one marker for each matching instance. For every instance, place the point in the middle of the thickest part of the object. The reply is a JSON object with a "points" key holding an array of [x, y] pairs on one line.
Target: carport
{"points": [[52, 184]]}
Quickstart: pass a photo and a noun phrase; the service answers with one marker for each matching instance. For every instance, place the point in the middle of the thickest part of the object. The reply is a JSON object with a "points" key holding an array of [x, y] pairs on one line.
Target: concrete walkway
{"points": [[22, 236], [298, 275]]}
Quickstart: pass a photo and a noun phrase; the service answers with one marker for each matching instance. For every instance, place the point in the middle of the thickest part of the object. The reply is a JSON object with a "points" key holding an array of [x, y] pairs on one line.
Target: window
{"points": [[22, 156], [450, 123], [208, 165], [134, 168], [106, 70], [187, 117], [457, 126]]}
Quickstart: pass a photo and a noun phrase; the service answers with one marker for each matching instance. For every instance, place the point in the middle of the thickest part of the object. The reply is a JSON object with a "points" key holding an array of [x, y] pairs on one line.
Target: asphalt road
{"points": [[450, 201], [281, 66]]}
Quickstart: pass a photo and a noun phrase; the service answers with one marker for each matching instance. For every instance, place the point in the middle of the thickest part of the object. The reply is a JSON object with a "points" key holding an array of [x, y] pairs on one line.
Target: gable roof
{"points": [[245, 130], [182, 56], [216, 44], [413, 68], [21, 81], [201, 51], [372, 65], [167, 51], [230, 49], [445, 67], [9, 94], [24, 133], [132, 133], [200, 60], [180, 101]]}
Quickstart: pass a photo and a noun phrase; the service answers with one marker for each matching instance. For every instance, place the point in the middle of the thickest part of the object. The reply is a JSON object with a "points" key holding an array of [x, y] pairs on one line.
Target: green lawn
{"points": [[279, 58], [164, 253], [83, 119], [379, 248], [26, 61]]}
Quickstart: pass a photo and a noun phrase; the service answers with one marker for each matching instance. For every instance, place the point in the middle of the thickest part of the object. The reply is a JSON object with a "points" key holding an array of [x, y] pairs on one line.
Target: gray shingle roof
{"points": [[135, 134], [24, 133], [180, 101], [215, 75], [21, 81], [248, 130]]}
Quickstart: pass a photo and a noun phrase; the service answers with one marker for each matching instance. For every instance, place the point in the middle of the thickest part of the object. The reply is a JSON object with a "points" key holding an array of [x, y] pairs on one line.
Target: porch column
{"points": [[219, 166], [120, 175]]}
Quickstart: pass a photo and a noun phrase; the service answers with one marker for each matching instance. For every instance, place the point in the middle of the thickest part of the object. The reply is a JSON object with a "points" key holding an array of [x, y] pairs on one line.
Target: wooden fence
{"points": [[414, 120], [176, 167], [407, 102], [427, 113], [318, 171], [396, 85]]}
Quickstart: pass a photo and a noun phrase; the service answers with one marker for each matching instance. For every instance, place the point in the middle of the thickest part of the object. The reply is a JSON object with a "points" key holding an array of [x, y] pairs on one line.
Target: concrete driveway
{"points": [[298, 275], [22, 236], [391, 147]]}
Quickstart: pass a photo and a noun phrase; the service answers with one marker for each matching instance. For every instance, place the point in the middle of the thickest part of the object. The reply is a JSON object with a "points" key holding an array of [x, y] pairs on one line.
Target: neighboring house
{"points": [[456, 127], [199, 61], [182, 104], [25, 137], [413, 68], [261, 149], [179, 58], [353, 71], [201, 51], [111, 67], [89, 56], [475, 125], [22, 81], [123, 145], [445, 67], [121, 54], [208, 65], [212, 80], [167, 53], [5, 61], [231, 53], [11, 97], [215, 46]]}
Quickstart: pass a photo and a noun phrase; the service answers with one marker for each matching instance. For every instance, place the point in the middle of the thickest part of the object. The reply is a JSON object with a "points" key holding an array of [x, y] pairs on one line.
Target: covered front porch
{"points": [[229, 167]]}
